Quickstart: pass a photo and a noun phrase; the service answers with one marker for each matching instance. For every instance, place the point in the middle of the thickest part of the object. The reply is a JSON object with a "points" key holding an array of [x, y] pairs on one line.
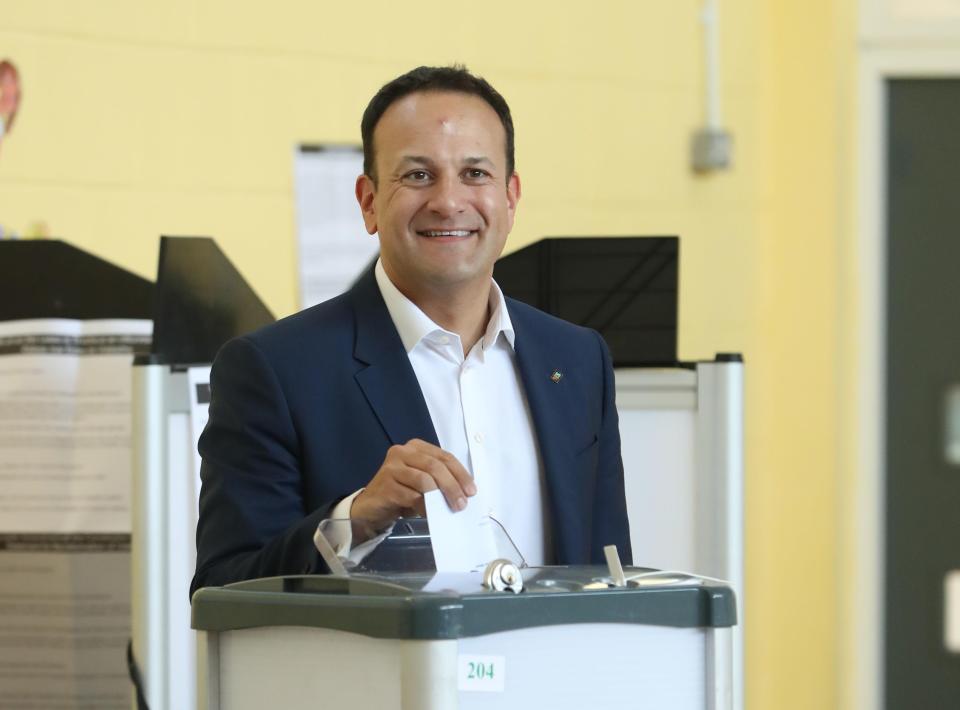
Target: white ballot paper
{"points": [[462, 541]]}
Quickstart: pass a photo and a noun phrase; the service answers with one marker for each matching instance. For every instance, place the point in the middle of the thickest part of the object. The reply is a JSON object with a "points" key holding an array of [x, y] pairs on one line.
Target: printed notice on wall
{"points": [[334, 245], [65, 424], [64, 621]]}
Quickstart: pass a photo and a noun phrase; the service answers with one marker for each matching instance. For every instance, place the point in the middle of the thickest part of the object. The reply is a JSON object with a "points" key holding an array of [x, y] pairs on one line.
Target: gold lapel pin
{"points": [[556, 376]]}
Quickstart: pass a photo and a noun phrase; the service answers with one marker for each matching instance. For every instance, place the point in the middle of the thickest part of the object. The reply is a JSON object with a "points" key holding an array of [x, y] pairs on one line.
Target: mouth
{"points": [[446, 233]]}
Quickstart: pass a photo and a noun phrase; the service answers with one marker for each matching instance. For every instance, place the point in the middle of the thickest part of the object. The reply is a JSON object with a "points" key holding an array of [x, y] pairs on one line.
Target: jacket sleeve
{"points": [[610, 525], [252, 519]]}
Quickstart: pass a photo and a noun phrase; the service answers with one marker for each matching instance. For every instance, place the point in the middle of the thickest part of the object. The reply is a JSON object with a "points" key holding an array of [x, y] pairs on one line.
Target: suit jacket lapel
{"points": [[388, 382], [552, 404], [390, 386]]}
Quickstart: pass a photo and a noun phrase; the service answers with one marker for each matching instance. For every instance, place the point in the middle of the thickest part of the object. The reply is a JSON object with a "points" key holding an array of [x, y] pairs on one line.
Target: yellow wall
{"points": [[180, 117], [794, 524]]}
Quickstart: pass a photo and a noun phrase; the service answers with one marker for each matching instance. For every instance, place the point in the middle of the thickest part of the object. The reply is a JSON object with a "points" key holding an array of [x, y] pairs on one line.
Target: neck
{"points": [[463, 308], [465, 315]]}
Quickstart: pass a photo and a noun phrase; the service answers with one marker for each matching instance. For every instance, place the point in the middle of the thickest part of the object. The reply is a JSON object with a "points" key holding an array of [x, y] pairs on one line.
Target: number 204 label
{"points": [[481, 673]]}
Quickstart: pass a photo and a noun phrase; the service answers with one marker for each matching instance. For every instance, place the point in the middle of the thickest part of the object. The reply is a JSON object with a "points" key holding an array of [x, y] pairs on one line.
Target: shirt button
{"points": [[444, 339], [478, 437]]}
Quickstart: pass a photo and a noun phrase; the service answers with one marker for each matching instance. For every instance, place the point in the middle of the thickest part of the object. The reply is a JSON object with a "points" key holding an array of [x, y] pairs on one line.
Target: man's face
{"points": [[443, 204]]}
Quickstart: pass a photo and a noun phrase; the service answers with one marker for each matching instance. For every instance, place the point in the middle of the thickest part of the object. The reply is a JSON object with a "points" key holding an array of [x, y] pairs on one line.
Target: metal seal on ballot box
{"points": [[502, 576]]}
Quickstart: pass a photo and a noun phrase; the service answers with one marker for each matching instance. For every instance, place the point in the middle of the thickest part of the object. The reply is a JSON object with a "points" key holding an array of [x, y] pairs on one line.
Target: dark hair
{"points": [[456, 79]]}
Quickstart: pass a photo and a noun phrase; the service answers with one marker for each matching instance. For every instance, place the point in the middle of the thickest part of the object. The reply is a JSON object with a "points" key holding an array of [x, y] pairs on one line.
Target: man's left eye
{"points": [[476, 174]]}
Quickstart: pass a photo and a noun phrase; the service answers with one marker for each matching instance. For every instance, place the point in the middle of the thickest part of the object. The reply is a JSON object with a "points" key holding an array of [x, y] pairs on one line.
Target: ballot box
{"points": [[571, 637]]}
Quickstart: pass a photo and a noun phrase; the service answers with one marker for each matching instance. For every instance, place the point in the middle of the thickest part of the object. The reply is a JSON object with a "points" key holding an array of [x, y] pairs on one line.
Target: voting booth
{"points": [[681, 423], [70, 325], [200, 302], [681, 430], [508, 636]]}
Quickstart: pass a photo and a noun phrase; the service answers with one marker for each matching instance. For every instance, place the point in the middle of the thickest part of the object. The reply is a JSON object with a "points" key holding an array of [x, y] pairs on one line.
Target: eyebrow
{"points": [[424, 160], [417, 159], [479, 161]]}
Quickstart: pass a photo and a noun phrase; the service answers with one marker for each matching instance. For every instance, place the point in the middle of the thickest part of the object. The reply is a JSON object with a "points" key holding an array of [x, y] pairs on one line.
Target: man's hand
{"points": [[407, 473]]}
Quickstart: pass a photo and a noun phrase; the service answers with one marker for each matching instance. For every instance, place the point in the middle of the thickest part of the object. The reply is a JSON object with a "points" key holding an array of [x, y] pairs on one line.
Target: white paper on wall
{"points": [[334, 247], [65, 489], [65, 388]]}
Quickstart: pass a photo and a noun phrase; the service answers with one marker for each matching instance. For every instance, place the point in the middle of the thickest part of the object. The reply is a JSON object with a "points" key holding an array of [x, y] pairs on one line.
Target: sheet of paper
{"points": [[64, 621], [65, 473], [65, 388], [462, 541], [333, 243]]}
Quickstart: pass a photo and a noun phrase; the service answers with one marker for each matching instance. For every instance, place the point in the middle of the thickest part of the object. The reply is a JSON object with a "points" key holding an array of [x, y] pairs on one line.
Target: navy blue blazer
{"points": [[303, 412]]}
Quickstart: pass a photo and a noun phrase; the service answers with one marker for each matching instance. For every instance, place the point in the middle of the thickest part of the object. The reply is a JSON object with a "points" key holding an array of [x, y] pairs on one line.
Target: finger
{"points": [[449, 461], [459, 471], [441, 477], [406, 489], [392, 490], [415, 477]]}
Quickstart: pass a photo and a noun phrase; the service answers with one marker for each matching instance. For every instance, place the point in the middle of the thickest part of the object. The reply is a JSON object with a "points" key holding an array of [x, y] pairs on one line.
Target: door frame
{"points": [[863, 597]]}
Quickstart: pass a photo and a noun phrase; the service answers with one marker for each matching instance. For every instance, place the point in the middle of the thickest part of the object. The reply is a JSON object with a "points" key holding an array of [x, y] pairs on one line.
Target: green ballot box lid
{"points": [[449, 606]]}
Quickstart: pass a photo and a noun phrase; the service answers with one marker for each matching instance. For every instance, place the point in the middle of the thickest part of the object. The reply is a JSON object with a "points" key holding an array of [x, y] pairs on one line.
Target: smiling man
{"points": [[422, 376]]}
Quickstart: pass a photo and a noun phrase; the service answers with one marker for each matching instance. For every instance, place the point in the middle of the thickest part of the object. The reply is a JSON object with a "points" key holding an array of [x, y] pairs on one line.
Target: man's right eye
{"points": [[417, 175]]}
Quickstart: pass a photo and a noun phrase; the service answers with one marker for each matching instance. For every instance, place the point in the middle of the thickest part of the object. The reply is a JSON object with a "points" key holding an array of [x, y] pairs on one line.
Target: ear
{"points": [[366, 191], [10, 94], [513, 197]]}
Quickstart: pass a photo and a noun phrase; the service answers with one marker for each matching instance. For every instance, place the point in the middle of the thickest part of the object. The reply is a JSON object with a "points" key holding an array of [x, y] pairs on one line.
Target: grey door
{"points": [[923, 363]]}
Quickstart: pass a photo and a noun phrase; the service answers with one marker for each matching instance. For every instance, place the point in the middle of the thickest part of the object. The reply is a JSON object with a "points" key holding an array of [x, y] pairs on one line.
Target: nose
{"points": [[447, 197]]}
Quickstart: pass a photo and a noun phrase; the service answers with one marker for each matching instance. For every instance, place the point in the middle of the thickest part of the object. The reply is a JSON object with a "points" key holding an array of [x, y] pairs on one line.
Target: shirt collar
{"points": [[414, 325]]}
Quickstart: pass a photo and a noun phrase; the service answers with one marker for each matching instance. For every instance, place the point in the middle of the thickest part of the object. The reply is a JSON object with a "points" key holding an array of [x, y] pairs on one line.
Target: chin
{"points": [[453, 276]]}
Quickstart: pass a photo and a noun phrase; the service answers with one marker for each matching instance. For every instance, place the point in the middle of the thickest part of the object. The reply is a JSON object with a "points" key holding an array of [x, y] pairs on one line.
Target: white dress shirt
{"points": [[480, 413]]}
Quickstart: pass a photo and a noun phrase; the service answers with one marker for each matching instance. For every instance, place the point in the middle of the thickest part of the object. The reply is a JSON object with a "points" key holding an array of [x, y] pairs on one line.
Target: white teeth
{"points": [[446, 232]]}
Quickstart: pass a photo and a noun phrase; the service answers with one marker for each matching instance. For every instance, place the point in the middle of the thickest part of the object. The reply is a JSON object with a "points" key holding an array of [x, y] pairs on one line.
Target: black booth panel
{"points": [[624, 287], [202, 301], [49, 278]]}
